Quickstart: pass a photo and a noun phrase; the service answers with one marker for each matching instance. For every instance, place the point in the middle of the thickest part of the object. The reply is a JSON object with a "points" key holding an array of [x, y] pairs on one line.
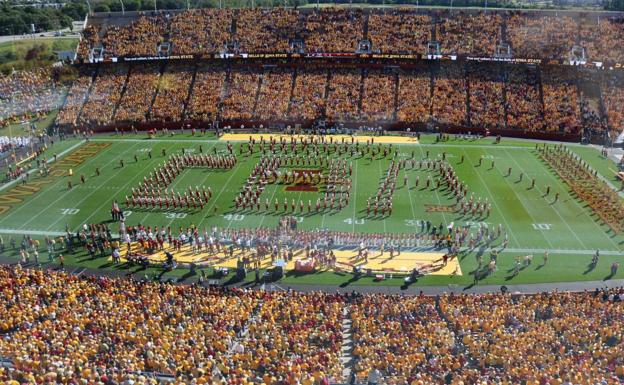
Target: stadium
{"points": [[321, 194]]}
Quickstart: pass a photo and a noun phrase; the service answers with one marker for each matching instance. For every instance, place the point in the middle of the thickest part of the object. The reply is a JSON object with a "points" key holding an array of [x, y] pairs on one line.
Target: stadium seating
{"points": [[344, 94], [60, 328], [104, 95], [139, 93], [549, 99], [414, 96], [204, 99], [561, 105], [449, 95], [173, 91], [76, 97], [28, 94], [613, 96], [308, 95], [487, 95], [463, 32], [524, 106]]}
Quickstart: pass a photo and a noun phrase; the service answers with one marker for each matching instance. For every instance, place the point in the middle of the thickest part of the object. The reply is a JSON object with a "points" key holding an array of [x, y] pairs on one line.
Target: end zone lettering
{"points": [[16, 195], [438, 209]]}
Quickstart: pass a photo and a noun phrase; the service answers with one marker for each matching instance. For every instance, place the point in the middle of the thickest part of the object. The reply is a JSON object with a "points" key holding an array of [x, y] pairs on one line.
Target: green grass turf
{"points": [[567, 228]]}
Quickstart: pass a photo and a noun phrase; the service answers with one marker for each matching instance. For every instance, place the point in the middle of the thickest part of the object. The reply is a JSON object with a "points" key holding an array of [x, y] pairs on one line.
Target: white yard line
{"points": [[238, 164], [270, 202], [524, 206], [115, 175], [446, 222], [509, 229], [354, 184], [581, 209], [138, 175], [59, 156], [409, 194], [381, 175], [551, 206]]}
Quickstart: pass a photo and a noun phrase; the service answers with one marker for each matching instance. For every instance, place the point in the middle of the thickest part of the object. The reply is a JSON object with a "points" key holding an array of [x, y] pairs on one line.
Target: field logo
{"points": [[439, 209]]}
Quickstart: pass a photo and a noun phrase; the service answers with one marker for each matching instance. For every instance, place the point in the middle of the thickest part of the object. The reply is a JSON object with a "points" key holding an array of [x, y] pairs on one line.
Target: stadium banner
{"points": [[504, 59], [146, 58], [348, 55]]}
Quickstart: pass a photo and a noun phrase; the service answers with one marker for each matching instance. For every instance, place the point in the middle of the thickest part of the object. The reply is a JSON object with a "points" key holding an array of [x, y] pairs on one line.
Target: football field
{"points": [[567, 228]]}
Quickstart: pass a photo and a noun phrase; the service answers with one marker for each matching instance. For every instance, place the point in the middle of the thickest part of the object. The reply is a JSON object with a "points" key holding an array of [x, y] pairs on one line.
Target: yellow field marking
{"points": [[337, 138], [430, 263]]}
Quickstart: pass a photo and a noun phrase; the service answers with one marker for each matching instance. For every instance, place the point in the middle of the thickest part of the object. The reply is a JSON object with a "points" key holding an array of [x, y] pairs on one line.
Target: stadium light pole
{"points": [[88, 6], [155, 6], [123, 9]]}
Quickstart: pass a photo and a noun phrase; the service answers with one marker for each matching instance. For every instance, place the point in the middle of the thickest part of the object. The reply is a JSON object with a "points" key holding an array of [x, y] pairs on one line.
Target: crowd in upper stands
{"points": [[25, 95], [61, 328], [474, 32]]}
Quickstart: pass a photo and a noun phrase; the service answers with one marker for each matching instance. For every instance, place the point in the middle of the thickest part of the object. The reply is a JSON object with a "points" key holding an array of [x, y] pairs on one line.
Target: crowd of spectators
{"points": [[333, 29], [613, 97], [240, 100], [139, 38], [541, 37], [9, 143], [561, 104], [173, 92], [404, 338], [137, 98], [202, 31], [90, 39], [550, 338], [482, 95], [472, 33], [274, 96], [601, 38], [61, 328], [66, 329], [308, 96], [591, 117], [76, 97], [104, 95], [487, 103], [207, 90], [344, 94], [25, 95], [524, 105], [378, 99], [339, 29], [266, 30], [449, 95], [399, 31], [414, 96]]}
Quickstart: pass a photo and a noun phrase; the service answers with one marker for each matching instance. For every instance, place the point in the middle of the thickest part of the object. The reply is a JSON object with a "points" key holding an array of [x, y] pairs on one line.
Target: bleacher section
{"points": [[508, 98], [208, 32]]}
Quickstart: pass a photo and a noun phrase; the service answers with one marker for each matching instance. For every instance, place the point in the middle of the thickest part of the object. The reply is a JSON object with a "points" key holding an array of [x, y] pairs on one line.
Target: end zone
{"points": [[337, 138]]}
